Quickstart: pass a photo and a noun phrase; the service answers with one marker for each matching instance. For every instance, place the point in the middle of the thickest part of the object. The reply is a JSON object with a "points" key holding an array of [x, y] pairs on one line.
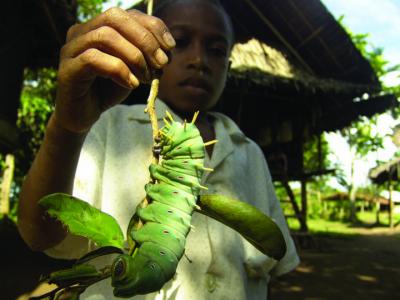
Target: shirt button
{"points": [[211, 282]]}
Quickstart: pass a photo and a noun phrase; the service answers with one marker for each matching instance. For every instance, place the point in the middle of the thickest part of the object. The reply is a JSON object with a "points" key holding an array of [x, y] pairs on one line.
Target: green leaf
{"points": [[84, 220], [251, 223]]}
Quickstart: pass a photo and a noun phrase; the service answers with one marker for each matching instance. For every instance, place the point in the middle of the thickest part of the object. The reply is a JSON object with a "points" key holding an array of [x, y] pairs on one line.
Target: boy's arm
{"points": [[52, 171], [101, 62]]}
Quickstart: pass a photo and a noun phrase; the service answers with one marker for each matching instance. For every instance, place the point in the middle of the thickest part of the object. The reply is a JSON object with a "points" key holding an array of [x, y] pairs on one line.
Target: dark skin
{"points": [[195, 77], [102, 61]]}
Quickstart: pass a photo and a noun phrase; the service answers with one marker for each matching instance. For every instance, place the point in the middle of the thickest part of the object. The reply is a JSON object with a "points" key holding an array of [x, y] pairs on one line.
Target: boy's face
{"points": [[195, 76]]}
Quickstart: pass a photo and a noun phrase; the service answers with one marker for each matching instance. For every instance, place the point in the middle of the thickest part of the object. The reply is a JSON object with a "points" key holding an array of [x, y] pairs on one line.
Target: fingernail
{"points": [[160, 57], [133, 81], [168, 39]]}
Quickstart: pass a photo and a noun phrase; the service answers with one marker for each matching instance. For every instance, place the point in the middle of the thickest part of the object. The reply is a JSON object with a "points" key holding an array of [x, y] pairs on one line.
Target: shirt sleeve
{"points": [[257, 264], [87, 187]]}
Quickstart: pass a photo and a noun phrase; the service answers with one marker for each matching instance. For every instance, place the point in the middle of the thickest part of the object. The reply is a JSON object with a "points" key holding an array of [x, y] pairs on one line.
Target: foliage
{"points": [[363, 138], [84, 220], [36, 105], [362, 135], [313, 160], [89, 8], [376, 58], [375, 55], [37, 99]]}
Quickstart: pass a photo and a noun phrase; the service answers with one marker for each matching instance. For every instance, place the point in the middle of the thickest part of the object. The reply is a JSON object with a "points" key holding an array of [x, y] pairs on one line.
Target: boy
{"points": [[102, 61]]}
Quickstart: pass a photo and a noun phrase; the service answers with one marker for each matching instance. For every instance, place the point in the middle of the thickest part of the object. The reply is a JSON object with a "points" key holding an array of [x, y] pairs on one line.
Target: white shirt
{"points": [[112, 172]]}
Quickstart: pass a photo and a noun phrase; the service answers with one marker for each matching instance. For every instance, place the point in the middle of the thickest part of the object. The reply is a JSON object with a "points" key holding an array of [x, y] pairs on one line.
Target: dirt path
{"points": [[364, 267], [21, 268], [360, 267]]}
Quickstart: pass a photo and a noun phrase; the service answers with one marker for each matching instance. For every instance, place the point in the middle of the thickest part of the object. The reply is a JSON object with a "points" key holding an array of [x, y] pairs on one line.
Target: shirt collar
{"points": [[161, 108], [230, 127]]}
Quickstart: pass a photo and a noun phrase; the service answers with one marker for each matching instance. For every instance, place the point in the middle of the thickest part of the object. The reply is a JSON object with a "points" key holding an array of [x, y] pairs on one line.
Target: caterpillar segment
{"points": [[172, 194]]}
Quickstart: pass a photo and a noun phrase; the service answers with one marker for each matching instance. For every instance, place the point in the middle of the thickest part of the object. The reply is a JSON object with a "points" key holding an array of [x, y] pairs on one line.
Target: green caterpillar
{"points": [[172, 197], [158, 229]]}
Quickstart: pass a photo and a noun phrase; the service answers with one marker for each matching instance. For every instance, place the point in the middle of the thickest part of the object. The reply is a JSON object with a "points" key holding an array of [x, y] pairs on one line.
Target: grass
{"points": [[326, 227], [344, 228]]}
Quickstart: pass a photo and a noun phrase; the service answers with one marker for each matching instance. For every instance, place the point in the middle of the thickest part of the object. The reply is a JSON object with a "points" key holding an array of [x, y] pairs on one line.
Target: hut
{"points": [[295, 74], [388, 174]]}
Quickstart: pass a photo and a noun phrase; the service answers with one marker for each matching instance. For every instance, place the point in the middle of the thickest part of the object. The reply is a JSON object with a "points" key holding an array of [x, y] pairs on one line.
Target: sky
{"points": [[381, 19]]}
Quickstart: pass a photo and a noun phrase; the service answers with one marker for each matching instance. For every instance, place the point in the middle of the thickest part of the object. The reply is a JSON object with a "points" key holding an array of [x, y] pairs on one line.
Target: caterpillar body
{"points": [[172, 195]]}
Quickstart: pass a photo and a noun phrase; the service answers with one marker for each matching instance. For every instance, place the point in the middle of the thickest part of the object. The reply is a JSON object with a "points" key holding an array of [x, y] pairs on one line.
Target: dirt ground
{"points": [[365, 267]]}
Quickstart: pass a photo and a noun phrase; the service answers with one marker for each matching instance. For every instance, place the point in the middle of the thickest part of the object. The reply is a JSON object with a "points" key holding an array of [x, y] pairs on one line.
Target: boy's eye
{"points": [[221, 52], [181, 42]]}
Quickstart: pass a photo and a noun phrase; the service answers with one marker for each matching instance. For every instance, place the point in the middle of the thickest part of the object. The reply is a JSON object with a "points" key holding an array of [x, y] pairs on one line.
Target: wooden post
{"points": [[304, 199], [297, 211], [320, 164], [378, 210], [6, 185], [390, 204]]}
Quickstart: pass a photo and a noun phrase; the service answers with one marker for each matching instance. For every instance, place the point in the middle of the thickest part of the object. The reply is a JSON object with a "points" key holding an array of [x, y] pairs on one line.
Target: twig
{"points": [[150, 109]]}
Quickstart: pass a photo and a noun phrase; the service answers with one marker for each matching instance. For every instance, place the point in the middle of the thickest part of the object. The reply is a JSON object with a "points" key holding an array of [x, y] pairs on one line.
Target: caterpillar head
{"points": [[135, 275]]}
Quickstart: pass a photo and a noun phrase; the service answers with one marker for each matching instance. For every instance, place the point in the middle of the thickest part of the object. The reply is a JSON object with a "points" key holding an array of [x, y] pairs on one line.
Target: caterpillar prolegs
{"points": [[172, 195]]}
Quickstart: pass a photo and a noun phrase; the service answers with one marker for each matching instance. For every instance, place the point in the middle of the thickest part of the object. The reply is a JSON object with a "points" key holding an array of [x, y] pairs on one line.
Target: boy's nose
{"points": [[197, 57]]}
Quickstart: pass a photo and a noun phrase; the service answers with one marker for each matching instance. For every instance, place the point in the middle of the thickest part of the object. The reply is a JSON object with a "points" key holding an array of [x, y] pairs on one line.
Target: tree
{"points": [[361, 136], [37, 103], [362, 139]]}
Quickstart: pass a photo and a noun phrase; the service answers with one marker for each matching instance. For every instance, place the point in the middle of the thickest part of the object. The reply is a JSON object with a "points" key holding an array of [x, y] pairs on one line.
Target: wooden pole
{"points": [[378, 210], [297, 211], [390, 204], [304, 201], [6, 185]]}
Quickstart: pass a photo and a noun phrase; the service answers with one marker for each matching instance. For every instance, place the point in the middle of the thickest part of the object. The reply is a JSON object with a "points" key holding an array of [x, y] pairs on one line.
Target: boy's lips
{"points": [[196, 85]]}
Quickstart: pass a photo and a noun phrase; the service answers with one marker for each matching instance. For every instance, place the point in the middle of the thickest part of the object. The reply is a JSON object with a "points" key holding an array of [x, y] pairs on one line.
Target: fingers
{"points": [[108, 40], [92, 63], [146, 33], [156, 26]]}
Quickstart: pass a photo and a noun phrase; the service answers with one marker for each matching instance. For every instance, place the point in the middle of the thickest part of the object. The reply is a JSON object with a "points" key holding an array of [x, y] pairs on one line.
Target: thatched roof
{"points": [[389, 171], [295, 72], [264, 76], [306, 32], [264, 65], [260, 56]]}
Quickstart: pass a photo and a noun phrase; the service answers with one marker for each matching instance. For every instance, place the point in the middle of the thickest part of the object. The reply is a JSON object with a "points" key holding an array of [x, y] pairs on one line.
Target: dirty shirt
{"points": [[218, 263]]}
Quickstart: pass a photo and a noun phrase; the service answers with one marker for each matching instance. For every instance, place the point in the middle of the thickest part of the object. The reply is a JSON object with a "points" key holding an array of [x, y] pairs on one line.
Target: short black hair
{"points": [[161, 6]]}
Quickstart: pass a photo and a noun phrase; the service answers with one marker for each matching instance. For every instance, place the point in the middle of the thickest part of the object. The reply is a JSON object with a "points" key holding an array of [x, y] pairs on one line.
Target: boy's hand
{"points": [[103, 60]]}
